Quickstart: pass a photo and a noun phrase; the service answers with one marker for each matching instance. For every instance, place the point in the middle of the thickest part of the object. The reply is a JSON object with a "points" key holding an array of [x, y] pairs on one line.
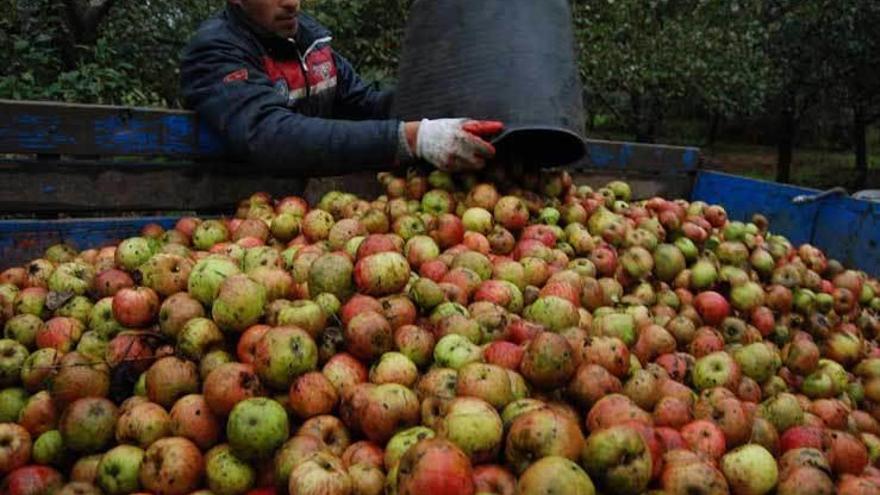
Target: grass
{"points": [[811, 166], [817, 168]]}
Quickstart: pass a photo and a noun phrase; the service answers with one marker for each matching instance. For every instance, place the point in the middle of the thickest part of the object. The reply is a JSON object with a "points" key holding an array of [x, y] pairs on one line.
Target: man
{"points": [[265, 76]]}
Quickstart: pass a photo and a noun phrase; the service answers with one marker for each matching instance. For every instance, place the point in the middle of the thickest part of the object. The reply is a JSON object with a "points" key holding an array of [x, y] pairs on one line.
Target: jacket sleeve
{"points": [[230, 91], [355, 98]]}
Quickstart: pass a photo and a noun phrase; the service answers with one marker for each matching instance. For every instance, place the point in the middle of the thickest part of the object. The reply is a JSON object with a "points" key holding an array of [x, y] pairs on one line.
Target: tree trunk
{"points": [[860, 131], [713, 129], [645, 118], [785, 145], [636, 125], [82, 21]]}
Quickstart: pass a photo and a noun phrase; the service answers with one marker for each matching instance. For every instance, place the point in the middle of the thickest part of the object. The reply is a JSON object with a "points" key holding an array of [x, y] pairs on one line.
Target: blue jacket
{"points": [[289, 105]]}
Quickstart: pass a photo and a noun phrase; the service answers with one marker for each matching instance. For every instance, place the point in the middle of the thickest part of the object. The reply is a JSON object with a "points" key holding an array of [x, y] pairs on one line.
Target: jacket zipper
{"points": [[303, 57]]}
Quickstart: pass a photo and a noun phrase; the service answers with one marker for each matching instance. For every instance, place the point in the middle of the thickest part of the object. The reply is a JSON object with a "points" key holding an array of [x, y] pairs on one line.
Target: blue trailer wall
{"points": [[24, 240], [846, 229]]}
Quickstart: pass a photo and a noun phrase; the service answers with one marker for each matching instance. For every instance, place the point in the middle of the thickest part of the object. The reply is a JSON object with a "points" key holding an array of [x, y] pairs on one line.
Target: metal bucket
{"points": [[508, 60]]}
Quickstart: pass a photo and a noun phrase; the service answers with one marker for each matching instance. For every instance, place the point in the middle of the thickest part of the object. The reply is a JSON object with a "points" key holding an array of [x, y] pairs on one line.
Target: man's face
{"points": [[277, 16]]}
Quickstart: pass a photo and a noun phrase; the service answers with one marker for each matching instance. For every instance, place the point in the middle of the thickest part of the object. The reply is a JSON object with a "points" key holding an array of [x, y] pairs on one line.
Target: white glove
{"points": [[455, 145]]}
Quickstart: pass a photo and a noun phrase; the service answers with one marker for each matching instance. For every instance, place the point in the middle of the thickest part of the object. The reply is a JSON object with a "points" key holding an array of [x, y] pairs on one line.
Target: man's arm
{"points": [[229, 89], [356, 99]]}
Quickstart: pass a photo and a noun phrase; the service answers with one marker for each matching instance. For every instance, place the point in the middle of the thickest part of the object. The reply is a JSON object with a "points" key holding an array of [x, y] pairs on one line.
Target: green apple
{"points": [[750, 470], [227, 474], [256, 427], [618, 459], [118, 470]]}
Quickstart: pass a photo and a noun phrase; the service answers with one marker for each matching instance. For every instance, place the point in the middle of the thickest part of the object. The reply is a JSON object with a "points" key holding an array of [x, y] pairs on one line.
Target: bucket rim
{"points": [[575, 145]]}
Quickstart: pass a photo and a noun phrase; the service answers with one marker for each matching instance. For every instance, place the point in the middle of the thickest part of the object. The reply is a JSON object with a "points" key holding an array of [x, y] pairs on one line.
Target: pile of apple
{"points": [[450, 337]]}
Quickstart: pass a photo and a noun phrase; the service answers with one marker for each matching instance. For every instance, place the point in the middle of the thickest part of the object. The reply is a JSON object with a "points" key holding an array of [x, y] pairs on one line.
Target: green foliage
{"points": [[151, 34], [367, 32], [639, 59], [129, 58]]}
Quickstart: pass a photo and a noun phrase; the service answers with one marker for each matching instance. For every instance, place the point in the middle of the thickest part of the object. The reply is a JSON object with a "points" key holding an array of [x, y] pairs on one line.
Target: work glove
{"points": [[456, 145]]}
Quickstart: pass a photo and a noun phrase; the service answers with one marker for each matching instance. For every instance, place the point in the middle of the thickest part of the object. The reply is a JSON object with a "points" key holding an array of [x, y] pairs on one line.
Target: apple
{"points": [[618, 459], [750, 469], [434, 466], [757, 361], [394, 367], [256, 428], [12, 401], [330, 430], [225, 473], [783, 410], [555, 475], [12, 358], [379, 410], [283, 354], [118, 470], [474, 426], [239, 303], [492, 478], [454, 351], [541, 432], [172, 466], [29, 480], [321, 473], [705, 437], [614, 409], [548, 361], [142, 424], [292, 453], [397, 446], [197, 337], [717, 369], [170, 378], [15, 447], [87, 425], [485, 381], [135, 307]]}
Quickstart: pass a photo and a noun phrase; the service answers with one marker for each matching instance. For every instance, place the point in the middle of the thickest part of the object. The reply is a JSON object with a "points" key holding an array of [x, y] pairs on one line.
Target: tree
{"points": [[367, 32], [96, 52], [82, 20], [858, 60], [800, 44], [661, 52], [104, 51]]}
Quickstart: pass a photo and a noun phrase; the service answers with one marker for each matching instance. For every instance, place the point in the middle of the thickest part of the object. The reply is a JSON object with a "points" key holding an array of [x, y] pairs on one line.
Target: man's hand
{"points": [[453, 145]]}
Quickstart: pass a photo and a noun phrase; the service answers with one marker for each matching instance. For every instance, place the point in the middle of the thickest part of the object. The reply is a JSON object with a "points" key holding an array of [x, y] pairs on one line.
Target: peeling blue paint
{"points": [[121, 134], [24, 240], [600, 156], [690, 158], [638, 156], [626, 152], [39, 127], [847, 229], [34, 132]]}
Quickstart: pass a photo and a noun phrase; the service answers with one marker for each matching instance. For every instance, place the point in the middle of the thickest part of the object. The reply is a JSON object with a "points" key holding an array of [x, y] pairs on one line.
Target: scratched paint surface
{"points": [[37, 133], [170, 134], [39, 127], [845, 228], [24, 240], [634, 156], [850, 229]]}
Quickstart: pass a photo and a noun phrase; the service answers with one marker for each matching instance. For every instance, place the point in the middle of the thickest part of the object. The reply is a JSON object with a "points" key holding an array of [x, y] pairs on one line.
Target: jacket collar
{"points": [[308, 30]]}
